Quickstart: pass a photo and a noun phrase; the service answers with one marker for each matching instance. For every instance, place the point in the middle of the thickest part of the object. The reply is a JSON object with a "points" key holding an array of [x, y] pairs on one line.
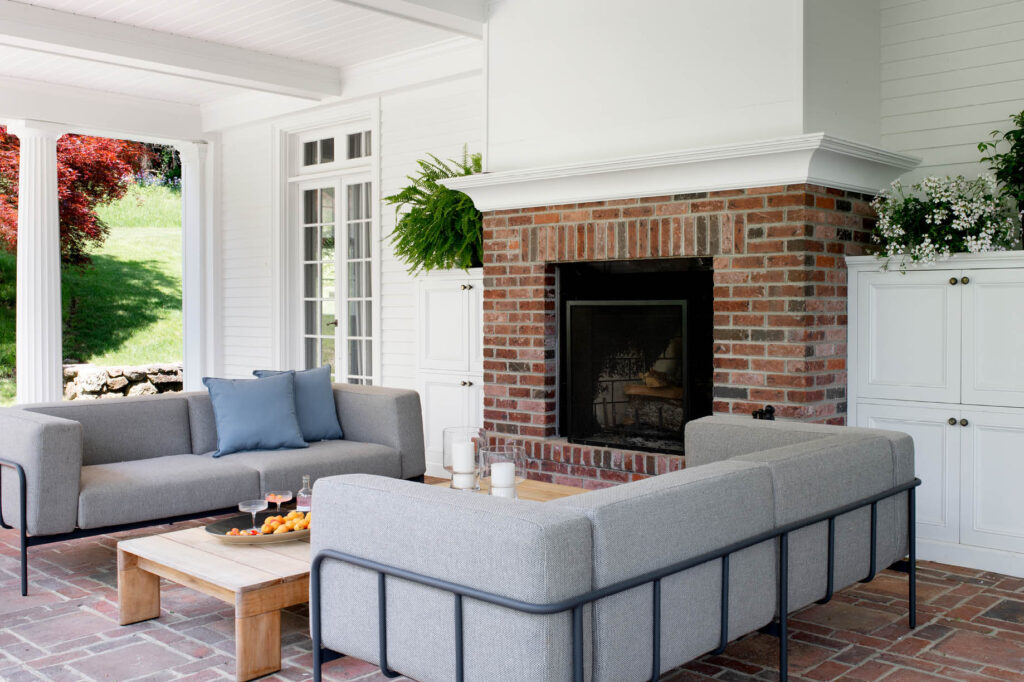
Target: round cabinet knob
{"points": [[463, 286], [462, 383], [952, 421], [964, 422], [952, 281], [469, 383], [965, 280], [468, 287]]}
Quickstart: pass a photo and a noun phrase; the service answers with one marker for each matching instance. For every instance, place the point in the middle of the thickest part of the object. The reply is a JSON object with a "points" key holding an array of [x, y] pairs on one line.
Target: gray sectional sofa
{"points": [[750, 485], [92, 466]]}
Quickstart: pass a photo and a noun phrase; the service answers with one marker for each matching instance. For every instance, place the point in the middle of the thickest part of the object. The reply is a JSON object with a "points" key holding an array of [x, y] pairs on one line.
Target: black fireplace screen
{"points": [[626, 373]]}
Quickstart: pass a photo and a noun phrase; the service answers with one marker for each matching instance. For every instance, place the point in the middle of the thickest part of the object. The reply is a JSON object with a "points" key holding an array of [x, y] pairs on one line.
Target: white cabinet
{"points": [[449, 356], [938, 352]]}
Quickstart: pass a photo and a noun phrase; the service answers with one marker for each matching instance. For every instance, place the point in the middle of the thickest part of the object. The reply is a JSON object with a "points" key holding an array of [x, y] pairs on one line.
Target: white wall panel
{"points": [[952, 71]]}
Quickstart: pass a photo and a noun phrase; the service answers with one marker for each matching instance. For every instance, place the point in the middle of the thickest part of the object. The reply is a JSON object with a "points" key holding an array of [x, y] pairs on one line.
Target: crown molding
{"points": [[990, 259], [817, 159]]}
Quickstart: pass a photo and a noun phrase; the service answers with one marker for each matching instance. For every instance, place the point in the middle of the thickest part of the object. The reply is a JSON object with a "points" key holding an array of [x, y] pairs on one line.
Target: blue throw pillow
{"points": [[314, 403], [255, 414]]}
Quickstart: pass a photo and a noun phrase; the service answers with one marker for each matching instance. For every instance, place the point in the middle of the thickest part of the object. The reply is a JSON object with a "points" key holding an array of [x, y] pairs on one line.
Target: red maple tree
{"points": [[90, 171]]}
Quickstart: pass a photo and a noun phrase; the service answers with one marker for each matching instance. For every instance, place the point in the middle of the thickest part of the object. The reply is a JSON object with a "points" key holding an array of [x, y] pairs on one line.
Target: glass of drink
{"points": [[253, 506], [279, 496]]}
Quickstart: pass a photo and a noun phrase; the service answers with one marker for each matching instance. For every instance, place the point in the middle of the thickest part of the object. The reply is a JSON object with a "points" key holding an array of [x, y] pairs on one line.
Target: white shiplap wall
{"points": [[952, 71], [246, 241], [438, 120]]}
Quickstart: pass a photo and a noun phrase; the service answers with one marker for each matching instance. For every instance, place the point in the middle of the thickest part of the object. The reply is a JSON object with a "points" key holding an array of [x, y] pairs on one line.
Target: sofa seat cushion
{"points": [[141, 490], [284, 469]]}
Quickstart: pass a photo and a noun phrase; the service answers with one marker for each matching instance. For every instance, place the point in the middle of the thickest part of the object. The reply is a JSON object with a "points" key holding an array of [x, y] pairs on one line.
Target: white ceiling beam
{"points": [[53, 32], [105, 114], [465, 17]]}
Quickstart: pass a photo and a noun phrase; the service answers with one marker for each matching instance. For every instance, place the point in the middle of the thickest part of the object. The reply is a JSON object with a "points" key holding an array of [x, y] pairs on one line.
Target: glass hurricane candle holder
{"points": [[505, 465], [461, 457]]}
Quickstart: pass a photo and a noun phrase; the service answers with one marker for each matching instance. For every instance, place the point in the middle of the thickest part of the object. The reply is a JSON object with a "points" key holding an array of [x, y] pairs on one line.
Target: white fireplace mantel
{"points": [[817, 159]]}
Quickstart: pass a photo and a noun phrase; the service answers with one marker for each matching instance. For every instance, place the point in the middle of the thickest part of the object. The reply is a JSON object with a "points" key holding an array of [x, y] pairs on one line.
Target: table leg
{"points": [[138, 591], [257, 645]]}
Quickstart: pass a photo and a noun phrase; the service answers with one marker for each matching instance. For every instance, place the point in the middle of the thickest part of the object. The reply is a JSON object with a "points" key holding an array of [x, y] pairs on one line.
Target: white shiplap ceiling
{"points": [[319, 31], [327, 33]]}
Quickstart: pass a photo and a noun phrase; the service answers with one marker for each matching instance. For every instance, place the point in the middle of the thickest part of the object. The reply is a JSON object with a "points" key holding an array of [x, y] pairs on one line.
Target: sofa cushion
{"points": [[813, 477], [140, 490], [650, 524], [255, 414], [314, 403], [284, 470], [202, 426], [126, 429]]}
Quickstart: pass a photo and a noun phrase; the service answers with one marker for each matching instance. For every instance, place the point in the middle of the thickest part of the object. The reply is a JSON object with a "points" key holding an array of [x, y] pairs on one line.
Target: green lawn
{"points": [[124, 309]]}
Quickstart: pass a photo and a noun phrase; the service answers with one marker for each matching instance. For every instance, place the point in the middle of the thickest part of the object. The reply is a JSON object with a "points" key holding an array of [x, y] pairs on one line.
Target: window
{"points": [[358, 294], [359, 145], [317, 152], [319, 268]]}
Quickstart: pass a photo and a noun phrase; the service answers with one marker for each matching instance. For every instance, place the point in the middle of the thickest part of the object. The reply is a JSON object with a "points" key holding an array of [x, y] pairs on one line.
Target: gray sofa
{"points": [[745, 479], [91, 466]]}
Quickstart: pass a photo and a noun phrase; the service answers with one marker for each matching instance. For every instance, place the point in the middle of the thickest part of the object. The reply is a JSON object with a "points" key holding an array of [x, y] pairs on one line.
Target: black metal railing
{"points": [[576, 604]]}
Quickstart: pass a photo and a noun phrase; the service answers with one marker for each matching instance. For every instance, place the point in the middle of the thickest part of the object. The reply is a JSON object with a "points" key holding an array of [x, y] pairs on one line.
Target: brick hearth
{"points": [[780, 307]]}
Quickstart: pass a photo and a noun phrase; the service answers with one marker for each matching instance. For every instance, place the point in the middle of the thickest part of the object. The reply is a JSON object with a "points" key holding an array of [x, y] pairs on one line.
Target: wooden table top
{"points": [[236, 568], [241, 568], [538, 491]]}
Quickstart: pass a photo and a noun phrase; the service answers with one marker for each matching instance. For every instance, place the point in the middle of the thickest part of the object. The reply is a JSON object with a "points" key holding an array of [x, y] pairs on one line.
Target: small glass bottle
{"points": [[304, 500]]}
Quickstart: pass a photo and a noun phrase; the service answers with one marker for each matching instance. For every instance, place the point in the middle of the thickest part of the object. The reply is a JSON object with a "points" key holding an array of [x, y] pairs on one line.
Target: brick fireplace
{"points": [[771, 220], [779, 307]]}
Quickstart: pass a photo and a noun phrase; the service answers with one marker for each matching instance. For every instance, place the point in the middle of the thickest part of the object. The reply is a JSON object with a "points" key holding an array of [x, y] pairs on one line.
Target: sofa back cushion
{"points": [[814, 477], [712, 439], [524, 550], [126, 429], [201, 423], [650, 524]]}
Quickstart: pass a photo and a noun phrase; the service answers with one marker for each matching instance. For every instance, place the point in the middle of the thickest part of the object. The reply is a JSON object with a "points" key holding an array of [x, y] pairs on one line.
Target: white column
{"points": [[38, 317], [195, 289]]}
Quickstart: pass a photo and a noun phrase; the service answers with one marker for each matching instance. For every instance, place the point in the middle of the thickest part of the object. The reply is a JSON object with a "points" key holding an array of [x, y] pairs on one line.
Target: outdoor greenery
{"points": [[440, 228], [1008, 166], [124, 308], [942, 216]]}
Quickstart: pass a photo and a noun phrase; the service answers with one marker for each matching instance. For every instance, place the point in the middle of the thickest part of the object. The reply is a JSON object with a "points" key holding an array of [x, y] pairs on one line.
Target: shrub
{"points": [[940, 217], [1008, 166]]}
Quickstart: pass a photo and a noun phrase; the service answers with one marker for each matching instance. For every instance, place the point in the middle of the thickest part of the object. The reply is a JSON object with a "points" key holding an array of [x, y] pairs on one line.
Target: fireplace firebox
{"points": [[635, 351]]}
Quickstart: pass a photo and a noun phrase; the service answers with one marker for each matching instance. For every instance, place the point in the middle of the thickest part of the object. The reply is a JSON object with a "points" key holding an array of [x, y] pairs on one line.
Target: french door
{"points": [[336, 219]]}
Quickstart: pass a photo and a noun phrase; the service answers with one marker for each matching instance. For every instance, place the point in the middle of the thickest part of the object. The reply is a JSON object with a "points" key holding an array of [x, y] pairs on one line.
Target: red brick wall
{"points": [[780, 296]]}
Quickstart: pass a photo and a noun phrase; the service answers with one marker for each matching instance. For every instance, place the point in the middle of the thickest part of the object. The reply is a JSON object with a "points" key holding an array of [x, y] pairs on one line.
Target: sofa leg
{"points": [[22, 516], [784, 607], [417, 479], [912, 548]]}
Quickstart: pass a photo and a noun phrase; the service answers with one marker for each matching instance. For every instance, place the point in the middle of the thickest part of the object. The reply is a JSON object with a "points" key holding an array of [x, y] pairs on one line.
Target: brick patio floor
{"points": [[971, 628]]}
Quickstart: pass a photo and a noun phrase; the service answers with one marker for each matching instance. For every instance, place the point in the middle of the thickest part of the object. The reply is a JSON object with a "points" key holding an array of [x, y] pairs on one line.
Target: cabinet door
{"points": [[475, 313], [992, 473], [908, 345], [993, 337], [444, 329], [936, 461], [445, 403]]}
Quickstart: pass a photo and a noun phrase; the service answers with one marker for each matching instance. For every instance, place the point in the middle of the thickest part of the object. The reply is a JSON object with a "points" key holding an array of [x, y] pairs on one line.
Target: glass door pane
{"points": [[357, 302], [319, 268]]}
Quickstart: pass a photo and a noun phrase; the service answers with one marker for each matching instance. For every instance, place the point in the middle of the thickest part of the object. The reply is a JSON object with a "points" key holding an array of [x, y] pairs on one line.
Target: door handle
{"points": [[334, 323]]}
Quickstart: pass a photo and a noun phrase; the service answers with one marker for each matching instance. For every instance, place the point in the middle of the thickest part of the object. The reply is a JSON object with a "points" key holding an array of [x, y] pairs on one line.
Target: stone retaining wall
{"points": [[88, 382]]}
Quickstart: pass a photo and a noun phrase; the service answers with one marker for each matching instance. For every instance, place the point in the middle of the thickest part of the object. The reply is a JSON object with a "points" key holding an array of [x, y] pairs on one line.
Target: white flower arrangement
{"points": [[940, 217]]}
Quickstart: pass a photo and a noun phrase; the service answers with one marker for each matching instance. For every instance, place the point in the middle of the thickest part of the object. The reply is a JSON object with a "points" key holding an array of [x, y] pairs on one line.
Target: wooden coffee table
{"points": [[259, 580]]}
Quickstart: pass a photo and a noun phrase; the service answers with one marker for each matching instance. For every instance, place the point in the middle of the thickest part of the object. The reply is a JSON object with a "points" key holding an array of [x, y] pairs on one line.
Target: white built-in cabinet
{"points": [[938, 352], [450, 361]]}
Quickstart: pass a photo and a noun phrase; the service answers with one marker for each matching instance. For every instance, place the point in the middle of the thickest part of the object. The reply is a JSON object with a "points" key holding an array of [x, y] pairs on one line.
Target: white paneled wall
{"points": [[438, 120], [246, 240], [952, 71]]}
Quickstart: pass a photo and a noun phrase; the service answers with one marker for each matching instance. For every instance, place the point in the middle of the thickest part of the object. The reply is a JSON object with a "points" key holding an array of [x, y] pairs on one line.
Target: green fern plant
{"points": [[438, 228]]}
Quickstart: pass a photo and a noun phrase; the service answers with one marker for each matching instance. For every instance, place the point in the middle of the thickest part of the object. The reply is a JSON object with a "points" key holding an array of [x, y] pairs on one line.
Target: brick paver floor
{"points": [[971, 628]]}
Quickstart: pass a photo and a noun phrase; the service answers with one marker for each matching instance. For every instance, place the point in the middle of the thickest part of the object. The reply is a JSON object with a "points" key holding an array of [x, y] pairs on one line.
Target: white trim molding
{"points": [[465, 17], [958, 261], [816, 159]]}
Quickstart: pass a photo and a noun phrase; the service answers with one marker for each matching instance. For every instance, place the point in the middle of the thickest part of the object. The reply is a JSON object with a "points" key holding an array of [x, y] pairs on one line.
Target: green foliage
{"points": [[1008, 166], [441, 228], [8, 262], [144, 206]]}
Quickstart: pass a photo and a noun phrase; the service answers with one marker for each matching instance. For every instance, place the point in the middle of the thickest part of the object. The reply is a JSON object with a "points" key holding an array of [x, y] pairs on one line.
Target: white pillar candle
{"points": [[464, 481], [463, 457], [503, 474], [504, 492]]}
